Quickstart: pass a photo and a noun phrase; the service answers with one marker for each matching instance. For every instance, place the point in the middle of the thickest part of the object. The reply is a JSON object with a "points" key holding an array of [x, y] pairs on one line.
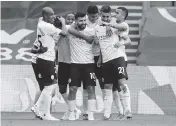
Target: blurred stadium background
{"points": [[152, 55]]}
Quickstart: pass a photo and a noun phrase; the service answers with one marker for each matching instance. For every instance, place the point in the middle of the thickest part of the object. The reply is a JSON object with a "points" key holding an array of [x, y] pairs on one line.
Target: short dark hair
{"points": [[106, 9], [79, 14], [125, 10], [69, 13], [92, 9]]}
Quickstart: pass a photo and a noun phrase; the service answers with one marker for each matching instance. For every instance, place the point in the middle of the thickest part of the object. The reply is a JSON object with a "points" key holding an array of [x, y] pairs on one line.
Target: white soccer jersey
{"points": [[81, 51], [37, 44], [96, 48], [64, 54], [109, 52], [47, 34]]}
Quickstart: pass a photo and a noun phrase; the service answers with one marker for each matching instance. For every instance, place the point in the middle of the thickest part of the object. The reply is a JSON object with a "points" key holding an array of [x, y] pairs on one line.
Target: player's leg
{"points": [[98, 73], [48, 78], [89, 81], [85, 103], [63, 77], [125, 92], [107, 92], [73, 86], [63, 80], [41, 86], [36, 72], [117, 100]]}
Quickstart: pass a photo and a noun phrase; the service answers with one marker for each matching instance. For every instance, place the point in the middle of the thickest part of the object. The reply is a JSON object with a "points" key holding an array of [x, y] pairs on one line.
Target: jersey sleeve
{"points": [[52, 30]]}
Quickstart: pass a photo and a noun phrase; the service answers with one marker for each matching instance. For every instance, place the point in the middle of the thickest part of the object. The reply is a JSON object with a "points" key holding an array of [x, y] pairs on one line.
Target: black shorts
{"points": [[36, 72], [63, 73], [84, 73], [47, 71], [98, 70], [114, 70]]}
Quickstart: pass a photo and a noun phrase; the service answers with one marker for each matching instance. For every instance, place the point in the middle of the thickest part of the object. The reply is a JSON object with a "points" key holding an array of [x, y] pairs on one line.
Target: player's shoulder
{"points": [[40, 19], [44, 25]]}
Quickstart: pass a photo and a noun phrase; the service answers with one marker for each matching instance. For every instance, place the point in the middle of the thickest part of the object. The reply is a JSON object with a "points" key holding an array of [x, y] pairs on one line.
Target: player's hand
{"points": [[96, 40], [99, 62], [62, 20], [34, 50], [57, 22], [103, 24], [108, 31], [89, 39], [117, 32], [43, 49], [117, 45]]}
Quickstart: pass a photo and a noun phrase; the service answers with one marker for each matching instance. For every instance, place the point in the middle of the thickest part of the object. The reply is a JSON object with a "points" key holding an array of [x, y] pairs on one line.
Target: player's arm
{"points": [[72, 30], [99, 62], [124, 41], [64, 28], [35, 49], [120, 27]]}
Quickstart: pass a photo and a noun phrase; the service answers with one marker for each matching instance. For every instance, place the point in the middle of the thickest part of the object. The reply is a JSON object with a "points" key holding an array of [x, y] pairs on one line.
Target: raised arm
{"points": [[120, 27], [64, 28], [124, 41]]}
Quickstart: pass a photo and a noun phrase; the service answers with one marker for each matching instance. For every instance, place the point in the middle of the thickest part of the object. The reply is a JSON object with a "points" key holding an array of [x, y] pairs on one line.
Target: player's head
{"points": [[92, 13], [80, 20], [121, 14], [70, 18], [106, 13], [48, 15]]}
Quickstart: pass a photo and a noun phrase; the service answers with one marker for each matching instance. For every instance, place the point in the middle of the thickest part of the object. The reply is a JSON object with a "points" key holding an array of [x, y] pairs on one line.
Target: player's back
{"points": [[46, 35]]}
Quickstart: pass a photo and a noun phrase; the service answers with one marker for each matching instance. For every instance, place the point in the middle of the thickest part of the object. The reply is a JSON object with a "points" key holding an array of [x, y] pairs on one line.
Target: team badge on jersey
{"points": [[39, 75], [52, 77]]}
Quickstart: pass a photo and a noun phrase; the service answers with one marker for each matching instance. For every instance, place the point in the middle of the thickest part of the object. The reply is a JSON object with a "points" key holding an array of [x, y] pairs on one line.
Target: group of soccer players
{"points": [[90, 47]]}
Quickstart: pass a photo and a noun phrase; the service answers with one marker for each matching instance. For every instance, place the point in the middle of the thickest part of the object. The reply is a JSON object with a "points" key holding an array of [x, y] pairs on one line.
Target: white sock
{"points": [[65, 97], [85, 101], [37, 95], [91, 105], [46, 97], [71, 105], [107, 102], [102, 93], [125, 96], [117, 102]]}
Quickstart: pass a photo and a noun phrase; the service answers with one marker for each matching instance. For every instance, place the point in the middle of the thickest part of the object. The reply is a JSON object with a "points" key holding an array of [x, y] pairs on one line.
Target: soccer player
{"points": [[64, 59], [69, 19], [82, 67], [35, 50], [123, 105], [92, 19], [114, 67], [46, 34]]}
